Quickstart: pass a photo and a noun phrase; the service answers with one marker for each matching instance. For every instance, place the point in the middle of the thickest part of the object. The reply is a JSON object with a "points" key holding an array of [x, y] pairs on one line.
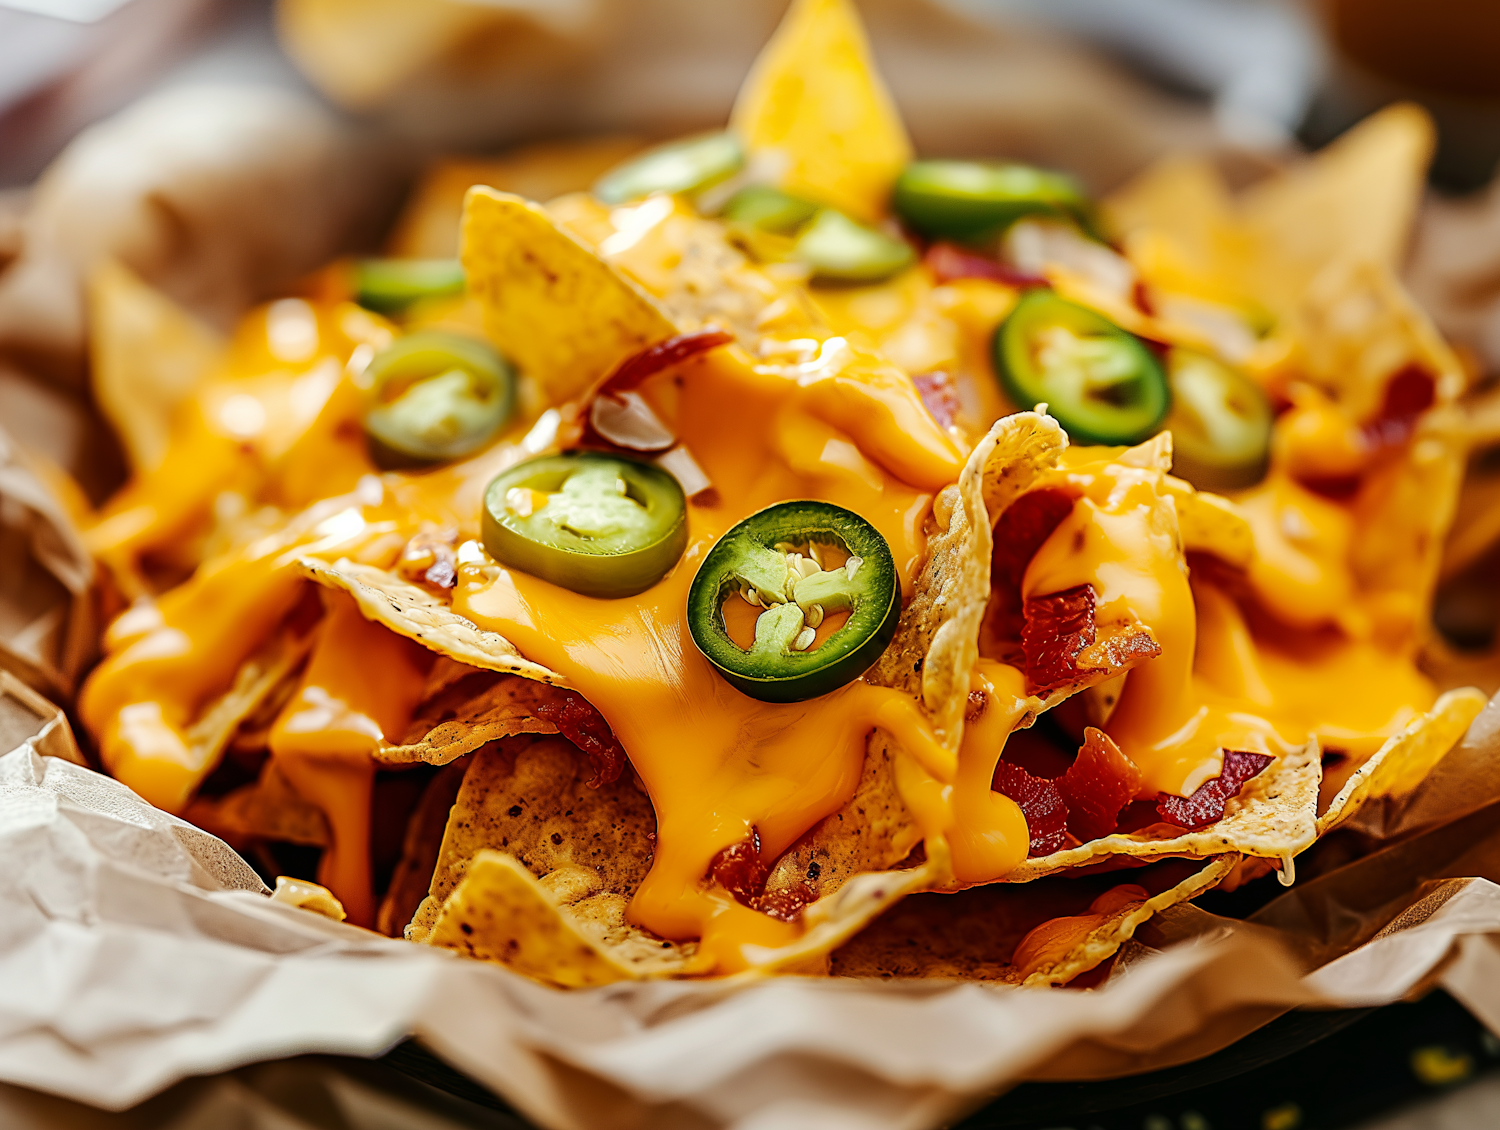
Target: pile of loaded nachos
{"points": [[786, 529]]}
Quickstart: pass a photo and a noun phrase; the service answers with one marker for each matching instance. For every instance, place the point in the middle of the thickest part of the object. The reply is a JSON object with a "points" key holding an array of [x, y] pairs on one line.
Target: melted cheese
{"points": [[360, 688], [718, 765], [1215, 686]]}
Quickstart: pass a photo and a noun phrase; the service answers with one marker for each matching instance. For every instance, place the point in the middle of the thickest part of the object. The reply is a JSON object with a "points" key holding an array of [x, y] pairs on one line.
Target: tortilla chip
{"points": [[473, 711], [269, 809], [872, 832], [974, 934], [814, 105], [1401, 764], [411, 611], [428, 227], [1356, 326], [562, 314], [1275, 815], [500, 912], [265, 673], [1356, 199], [146, 356], [527, 796], [1211, 523], [419, 850]]}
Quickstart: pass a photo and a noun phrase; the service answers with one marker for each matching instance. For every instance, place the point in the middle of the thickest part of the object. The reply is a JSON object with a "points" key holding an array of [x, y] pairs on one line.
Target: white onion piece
{"points": [[680, 464], [626, 420]]}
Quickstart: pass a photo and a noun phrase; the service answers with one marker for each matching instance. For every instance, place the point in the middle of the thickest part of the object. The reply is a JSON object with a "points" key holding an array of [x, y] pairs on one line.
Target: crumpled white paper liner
{"points": [[136, 950]]}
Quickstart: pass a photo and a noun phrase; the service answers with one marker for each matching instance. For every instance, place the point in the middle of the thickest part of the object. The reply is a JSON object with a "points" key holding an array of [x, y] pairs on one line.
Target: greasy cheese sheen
{"points": [[716, 763]]}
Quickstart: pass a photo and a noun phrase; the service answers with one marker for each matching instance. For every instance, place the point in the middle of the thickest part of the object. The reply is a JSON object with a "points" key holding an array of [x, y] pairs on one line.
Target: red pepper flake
{"points": [[663, 355], [949, 262], [1058, 627], [1023, 527], [1041, 803], [939, 395], [1098, 785], [578, 721], [1206, 805], [1140, 295]]}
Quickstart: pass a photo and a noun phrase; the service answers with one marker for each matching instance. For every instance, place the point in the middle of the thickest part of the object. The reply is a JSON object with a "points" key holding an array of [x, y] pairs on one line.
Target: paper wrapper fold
{"points": [[136, 949]]}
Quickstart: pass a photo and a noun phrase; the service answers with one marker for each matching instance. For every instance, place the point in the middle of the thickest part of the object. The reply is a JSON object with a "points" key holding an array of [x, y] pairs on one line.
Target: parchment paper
{"points": [[136, 949]]}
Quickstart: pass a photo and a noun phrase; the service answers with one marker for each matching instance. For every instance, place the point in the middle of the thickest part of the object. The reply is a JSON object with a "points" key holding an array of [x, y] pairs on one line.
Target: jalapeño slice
{"points": [[759, 560], [767, 208], [592, 523], [839, 249], [689, 165], [1102, 384], [435, 396], [1220, 423], [388, 286], [969, 200]]}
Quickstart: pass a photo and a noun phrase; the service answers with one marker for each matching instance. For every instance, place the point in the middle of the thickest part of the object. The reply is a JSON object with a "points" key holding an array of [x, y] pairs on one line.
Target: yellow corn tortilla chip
{"points": [[460, 718], [1211, 523], [1401, 764], [428, 227], [500, 912], [146, 356], [1356, 199], [268, 809], [528, 796], [814, 105], [411, 611], [1355, 326], [562, 314], [973, 934], [419, 850], [1275, 816]]}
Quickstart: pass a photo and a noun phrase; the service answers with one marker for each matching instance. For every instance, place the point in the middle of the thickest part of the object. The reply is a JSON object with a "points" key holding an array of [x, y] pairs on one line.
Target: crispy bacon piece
{"points": [[1206, 805], [1097, 786], [939, 396], [740, 870], [1410, 392], [1023, 527], [948, 262], [663, 355], [1058, 627], [578, 721], [1041, 803]]}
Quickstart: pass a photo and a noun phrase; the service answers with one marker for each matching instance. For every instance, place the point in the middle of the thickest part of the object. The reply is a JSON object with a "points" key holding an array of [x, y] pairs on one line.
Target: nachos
{"points": [[787, 555]]}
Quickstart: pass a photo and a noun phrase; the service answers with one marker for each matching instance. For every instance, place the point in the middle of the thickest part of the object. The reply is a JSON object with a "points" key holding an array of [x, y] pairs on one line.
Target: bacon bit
{"points": [[1058, 627], [939, 395], [740, 870], [1041, 803], [1411, 390], [431, 557], [1097, 786], [578, 721], [949, 262], [1025, 525], [663, 355], [1140, 296], [1206, 805]]}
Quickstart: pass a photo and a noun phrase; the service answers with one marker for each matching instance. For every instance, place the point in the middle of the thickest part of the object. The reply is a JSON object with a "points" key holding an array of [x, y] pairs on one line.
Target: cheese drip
{"points": [[361, 685], [717, 764], [1214, 686]]}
